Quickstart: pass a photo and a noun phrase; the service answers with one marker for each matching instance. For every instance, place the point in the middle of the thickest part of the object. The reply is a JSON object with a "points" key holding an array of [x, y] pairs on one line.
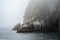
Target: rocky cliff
{"points": [[41, 15]]}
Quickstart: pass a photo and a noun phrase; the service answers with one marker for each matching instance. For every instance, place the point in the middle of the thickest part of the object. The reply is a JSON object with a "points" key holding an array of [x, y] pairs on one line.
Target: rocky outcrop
{"points": [[17, 26], [30, 27], [37, 26], [41, 15]]}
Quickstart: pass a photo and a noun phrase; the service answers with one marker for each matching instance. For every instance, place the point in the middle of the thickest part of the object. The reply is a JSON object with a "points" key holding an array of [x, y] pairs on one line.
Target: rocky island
{"points": [[41, 16]]}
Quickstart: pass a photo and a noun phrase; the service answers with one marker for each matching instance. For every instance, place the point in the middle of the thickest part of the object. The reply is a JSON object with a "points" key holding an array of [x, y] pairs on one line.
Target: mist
{"points": [[42, 9], [11, 12]]}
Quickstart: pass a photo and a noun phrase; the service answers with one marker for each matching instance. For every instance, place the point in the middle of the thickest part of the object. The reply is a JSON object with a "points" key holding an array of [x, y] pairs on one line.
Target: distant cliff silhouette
{"points": [[41, 15]]}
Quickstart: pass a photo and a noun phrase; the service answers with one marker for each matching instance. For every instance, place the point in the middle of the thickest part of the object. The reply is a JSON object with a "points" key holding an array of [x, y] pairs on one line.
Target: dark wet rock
{"points": [[36, 26], [26, 27], [17, 26]]}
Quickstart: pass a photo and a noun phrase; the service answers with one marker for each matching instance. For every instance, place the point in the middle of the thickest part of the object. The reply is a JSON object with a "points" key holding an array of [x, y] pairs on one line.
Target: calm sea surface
{"points": [[7, 34]]}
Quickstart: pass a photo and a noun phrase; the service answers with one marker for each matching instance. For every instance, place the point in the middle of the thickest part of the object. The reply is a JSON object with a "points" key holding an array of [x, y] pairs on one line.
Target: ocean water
{"points": [[8, 34]]}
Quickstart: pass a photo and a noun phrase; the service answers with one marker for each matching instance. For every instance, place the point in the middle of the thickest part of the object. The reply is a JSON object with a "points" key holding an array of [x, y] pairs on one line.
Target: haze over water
{"points": [[6, 34], [11, 13]]}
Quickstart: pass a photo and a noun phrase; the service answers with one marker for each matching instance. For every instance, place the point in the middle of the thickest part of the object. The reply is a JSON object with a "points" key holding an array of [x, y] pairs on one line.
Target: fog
{"points": [[11, 12], [40, 9], [46, 11]]}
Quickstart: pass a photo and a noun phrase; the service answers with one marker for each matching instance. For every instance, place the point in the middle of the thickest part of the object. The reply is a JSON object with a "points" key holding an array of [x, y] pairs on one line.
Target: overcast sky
{"points": [[11, 12]]}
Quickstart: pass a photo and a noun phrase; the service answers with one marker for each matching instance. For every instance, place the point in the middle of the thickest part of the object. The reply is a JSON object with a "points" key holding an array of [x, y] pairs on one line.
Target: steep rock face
{"points": [[40, 9], [47, 11], [36, 26]]}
